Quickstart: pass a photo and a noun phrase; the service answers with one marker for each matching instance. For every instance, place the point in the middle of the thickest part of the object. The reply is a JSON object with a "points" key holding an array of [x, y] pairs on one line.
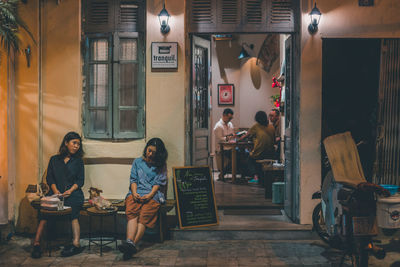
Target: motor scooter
{"points": [[346, 216]]}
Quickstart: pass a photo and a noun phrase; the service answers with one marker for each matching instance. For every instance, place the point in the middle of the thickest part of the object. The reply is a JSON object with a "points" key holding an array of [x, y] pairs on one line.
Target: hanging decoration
{"points": [[276, 99]]}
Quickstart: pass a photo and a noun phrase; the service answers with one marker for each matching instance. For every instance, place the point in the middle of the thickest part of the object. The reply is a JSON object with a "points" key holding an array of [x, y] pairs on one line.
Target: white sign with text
{"points": [[164, 55]]}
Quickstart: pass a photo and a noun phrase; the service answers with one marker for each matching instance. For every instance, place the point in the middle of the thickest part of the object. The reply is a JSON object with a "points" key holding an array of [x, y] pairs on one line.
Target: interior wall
{"points": [[339, 20], [252, 83]]}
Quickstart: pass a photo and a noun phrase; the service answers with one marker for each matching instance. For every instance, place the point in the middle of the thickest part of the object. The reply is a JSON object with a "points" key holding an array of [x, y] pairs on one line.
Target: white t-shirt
{"points": [[221, 130]]}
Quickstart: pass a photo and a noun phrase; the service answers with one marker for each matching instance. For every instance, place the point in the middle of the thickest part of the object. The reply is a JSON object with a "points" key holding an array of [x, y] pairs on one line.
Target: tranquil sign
{"points": [[164, 55]]}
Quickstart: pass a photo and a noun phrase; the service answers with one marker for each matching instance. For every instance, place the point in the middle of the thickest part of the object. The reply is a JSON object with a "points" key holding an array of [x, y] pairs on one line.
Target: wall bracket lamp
{"points": [[315, 16], [243, 52], [163, 18], [28, 56]]}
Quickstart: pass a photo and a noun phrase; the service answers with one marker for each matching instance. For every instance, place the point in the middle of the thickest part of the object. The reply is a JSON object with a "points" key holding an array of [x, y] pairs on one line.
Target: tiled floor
{"points": [[245, 195], [248, 197], [197, 253]]}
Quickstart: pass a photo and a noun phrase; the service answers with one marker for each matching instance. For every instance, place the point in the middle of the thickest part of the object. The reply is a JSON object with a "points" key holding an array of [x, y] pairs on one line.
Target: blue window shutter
{"points": [[129, 86], [97, 111]]}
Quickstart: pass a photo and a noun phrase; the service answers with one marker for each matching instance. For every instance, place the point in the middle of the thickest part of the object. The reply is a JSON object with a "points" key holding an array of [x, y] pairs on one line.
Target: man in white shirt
{"points": [[223, 131]]}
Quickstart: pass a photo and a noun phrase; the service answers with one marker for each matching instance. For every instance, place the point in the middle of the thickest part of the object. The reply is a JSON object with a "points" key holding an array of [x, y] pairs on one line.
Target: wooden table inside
{"points": [[232, 146]]}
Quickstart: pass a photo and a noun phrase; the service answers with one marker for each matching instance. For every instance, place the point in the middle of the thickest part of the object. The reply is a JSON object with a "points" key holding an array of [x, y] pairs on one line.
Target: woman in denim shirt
{"points": [[148, 175]]}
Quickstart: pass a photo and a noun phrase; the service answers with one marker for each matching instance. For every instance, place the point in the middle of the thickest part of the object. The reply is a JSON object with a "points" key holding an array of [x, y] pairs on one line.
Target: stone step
{"points": [[274, 234]]}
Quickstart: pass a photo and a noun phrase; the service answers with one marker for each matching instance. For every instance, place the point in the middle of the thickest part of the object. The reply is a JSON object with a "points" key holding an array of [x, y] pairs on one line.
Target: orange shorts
{"points": [[147, 212]]}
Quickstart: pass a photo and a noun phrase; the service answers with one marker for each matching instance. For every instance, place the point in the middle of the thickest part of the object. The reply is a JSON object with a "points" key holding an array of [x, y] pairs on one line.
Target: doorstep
{"points": [[247, 227]]}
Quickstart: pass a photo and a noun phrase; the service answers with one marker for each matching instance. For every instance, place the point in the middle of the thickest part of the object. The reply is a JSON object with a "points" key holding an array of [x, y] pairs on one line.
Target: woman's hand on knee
{"points": [[136, 196]]}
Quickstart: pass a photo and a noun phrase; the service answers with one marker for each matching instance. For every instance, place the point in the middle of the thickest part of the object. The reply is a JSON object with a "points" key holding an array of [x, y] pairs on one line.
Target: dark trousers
{"points": [[255, 168]]}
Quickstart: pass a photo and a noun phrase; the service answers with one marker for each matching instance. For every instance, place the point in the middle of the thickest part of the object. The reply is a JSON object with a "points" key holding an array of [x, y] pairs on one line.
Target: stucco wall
{"points": [[165, 107], [62, 100], [26, 119], [340, 19], [252, 83]]}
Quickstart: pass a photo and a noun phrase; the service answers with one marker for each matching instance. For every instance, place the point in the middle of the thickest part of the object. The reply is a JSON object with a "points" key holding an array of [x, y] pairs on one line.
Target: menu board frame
{"points": [[179, 212]]}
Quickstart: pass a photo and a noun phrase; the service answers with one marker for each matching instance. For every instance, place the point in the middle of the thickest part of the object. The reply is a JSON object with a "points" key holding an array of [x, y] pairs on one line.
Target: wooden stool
{"points": [[102, 213], [51, 216]]}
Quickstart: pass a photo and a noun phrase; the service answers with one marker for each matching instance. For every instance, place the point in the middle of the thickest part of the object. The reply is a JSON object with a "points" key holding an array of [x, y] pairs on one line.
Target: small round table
{"points": [[52, 216], [101, 234]]}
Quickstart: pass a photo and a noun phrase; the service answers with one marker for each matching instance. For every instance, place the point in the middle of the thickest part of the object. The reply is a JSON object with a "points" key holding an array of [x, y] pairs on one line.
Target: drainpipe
{"points": [[40, 94], [11, 171]]}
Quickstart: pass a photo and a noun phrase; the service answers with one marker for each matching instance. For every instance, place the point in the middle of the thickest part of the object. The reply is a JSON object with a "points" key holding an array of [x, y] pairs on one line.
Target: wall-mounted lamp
{"points": [[315, 16], [28, 55], [243, 52], [163, 18]]}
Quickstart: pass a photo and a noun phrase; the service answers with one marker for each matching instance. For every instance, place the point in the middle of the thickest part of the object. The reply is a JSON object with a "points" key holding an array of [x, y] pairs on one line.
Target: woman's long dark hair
{"points": [[262, 118], [63, 151], [160, 159]]}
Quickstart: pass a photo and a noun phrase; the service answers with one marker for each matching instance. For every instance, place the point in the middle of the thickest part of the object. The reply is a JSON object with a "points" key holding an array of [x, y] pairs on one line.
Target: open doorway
{"points": [[350, 87], [216, 64]]}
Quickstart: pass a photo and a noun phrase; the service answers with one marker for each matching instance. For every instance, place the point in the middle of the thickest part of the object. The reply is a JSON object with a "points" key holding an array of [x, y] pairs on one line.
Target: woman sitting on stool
{"points": [[263, 135], [65, 177], [143, 200]]}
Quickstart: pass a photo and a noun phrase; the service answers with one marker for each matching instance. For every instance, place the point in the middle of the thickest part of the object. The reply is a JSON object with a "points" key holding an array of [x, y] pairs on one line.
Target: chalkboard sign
{"points": [[194, 192]]}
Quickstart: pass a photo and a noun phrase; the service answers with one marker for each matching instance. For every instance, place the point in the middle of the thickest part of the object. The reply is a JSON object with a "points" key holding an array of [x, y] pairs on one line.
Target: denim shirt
{"points": [[146, 176]]}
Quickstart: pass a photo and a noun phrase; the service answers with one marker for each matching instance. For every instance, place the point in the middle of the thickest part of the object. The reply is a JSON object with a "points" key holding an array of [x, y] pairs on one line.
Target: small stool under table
{"points": [[94, 212], [52, 216]]}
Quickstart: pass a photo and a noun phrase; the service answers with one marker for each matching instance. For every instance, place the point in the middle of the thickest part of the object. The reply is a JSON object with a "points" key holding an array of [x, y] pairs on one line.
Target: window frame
{"points": [[86, 98], [140, 121], [98, 24]]}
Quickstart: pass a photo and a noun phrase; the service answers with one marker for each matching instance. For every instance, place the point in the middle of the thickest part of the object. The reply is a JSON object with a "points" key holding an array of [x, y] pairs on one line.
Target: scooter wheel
{"points": [[319, 223]]}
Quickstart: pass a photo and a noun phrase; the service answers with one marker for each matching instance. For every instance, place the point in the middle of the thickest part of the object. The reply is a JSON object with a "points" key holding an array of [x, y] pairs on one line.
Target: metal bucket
{"points": [[388, 212]]}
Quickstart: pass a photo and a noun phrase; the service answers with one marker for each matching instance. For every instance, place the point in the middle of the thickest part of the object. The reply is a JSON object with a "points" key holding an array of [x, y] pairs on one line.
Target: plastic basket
{"points": [[392, 188]]}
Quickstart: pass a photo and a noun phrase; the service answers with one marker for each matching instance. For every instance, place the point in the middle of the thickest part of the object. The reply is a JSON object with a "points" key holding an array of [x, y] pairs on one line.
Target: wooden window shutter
{"points": [[255, 15], [102, 16], [281, 16], [230, 16], [202, 15], [99, 16], [130, 16], [229, 12]]}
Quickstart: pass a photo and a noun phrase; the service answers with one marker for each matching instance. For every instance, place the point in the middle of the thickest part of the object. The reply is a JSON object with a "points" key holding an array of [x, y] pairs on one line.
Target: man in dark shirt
{"points": [[275, 118]]}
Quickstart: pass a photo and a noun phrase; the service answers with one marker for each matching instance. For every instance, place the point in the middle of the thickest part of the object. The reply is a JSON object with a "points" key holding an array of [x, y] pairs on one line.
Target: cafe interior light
{"points": [[315, 16], [243, 52], [163, 18]]}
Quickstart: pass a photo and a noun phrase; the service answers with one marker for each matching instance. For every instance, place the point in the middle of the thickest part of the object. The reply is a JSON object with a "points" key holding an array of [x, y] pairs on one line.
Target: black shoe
{"points": [[126, 256], [127, 248], [71, 250], [36, 252]]}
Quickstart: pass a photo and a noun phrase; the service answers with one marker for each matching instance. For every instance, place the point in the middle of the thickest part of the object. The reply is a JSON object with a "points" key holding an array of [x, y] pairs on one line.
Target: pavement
{"points": [[16, 252]]}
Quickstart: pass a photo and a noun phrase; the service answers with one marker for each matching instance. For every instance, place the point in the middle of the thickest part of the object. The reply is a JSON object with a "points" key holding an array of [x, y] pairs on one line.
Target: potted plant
{"points": [[10, 24]]}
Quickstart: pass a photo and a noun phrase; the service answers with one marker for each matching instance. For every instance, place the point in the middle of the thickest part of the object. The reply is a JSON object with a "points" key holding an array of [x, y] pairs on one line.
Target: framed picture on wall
{"points": [[226, 94]]}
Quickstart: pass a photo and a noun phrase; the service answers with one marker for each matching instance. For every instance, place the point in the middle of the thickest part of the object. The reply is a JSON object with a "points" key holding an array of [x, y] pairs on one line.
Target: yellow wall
{"points": [[165, 109], [26, 116], [340, 19], [61, 74]]}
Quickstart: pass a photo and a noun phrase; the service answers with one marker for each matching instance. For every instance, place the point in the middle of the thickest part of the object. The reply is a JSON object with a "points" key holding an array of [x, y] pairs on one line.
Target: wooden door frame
{"points": [[189, 104]]}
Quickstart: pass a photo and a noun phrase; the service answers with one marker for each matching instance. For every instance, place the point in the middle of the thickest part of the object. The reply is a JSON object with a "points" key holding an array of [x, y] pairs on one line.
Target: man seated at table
{"points": [[223, 131], [275, 118], [263, 135]]}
